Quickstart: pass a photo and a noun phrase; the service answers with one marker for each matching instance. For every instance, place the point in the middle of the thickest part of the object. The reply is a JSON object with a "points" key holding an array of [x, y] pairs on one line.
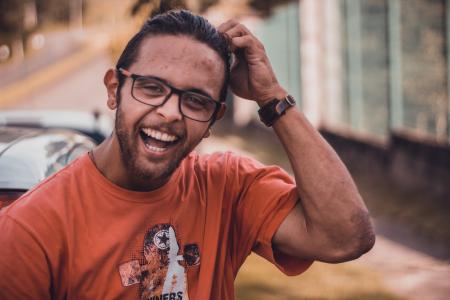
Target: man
{"points": [[142, 216]]}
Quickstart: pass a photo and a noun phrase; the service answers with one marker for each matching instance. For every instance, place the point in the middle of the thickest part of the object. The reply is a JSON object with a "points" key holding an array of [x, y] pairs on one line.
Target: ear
{"points": [[111, 83], [221, 112], [219, 115]]}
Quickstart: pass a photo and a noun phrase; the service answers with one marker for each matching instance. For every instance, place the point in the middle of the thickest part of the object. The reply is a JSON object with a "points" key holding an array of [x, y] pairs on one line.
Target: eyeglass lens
{"points": [[154, 92]]}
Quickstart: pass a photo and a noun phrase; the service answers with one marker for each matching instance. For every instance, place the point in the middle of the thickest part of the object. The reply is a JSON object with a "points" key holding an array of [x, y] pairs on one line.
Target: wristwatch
{"points": [[274, 109]]}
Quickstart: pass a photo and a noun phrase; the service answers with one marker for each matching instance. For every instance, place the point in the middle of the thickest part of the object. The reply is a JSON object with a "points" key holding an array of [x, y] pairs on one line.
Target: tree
{"points": [[159, 6], [11, 19], [265, 7]]}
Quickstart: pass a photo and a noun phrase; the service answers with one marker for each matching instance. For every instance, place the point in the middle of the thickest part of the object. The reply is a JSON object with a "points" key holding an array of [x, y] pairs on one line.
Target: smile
{"points": [[157, 141]]}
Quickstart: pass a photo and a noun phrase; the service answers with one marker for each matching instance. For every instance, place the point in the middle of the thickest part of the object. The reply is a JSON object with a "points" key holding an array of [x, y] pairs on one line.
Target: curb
{"points": [[15, 91]]}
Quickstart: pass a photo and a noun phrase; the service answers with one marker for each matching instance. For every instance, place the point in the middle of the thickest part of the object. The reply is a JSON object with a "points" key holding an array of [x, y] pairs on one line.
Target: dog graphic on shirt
{"points": [[161, 274]]}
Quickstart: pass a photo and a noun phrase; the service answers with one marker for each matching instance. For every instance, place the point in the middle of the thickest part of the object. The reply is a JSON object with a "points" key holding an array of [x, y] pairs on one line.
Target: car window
{"points": [[8, 196]]}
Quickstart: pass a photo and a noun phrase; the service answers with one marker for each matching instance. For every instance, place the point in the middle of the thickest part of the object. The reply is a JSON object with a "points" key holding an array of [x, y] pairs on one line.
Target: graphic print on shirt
{"points": [[161, 273]]}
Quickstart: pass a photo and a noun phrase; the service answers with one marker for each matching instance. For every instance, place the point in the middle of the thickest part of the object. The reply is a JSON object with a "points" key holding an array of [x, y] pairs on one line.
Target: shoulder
{"points": [[220, 162], [231, 166], [45, 200]]}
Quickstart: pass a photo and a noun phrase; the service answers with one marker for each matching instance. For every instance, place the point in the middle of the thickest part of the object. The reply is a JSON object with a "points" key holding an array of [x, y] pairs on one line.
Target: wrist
{"points": [[274, 109]]}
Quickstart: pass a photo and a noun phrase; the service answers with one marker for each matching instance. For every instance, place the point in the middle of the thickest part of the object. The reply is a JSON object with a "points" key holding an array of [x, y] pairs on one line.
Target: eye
{"points": [[151, 87], [193, 101]]}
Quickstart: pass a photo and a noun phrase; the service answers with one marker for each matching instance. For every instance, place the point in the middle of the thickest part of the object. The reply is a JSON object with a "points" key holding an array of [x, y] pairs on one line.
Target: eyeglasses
{"points": [[153, 91]]}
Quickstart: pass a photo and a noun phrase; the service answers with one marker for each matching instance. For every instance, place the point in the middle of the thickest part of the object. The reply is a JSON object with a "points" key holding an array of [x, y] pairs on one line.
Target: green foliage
{"points": [[265, 7]]}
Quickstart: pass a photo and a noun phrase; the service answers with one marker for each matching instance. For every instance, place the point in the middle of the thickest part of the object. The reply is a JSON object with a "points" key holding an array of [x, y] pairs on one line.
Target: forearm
{"points": [[334, 213], [331, 217]]}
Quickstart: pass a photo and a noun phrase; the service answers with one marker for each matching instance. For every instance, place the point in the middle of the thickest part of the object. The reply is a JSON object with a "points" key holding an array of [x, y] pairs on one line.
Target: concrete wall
{"points": [[409, 163]]}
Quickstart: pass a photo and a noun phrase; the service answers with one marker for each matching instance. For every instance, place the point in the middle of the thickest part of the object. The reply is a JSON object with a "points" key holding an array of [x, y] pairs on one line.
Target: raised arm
{"points": [[330, 222]]}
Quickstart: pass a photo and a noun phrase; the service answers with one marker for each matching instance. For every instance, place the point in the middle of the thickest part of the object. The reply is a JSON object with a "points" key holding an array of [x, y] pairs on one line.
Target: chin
{"points": [[153, 171]]}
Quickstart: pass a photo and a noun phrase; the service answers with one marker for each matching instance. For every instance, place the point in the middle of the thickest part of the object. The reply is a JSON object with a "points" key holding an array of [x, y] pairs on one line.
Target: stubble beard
{"points": [[130, 156]]}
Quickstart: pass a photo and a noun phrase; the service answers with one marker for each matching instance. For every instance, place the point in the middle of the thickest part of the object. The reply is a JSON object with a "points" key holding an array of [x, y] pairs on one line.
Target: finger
{"points": [[240, 31], [227, 25], [246, 42]]}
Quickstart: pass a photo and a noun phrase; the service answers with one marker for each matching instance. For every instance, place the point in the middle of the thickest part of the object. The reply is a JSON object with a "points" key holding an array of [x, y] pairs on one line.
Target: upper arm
{"points": [[298, 236], [292, 237], [265, 196]]}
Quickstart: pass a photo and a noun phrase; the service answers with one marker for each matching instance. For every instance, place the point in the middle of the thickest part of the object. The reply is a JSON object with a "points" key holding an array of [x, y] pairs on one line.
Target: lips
{"points": [[157, 141]]}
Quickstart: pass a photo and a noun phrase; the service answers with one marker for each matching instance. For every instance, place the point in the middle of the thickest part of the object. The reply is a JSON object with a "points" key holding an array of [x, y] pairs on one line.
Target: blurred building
{"points": [[373, 75]]}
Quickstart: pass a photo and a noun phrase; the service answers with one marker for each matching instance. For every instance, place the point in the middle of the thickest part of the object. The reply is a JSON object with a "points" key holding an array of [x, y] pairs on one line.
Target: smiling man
{"points": [[145, 217]]}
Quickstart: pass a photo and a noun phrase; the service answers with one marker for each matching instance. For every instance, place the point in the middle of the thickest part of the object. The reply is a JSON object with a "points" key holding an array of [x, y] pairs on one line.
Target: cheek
{"points": [[132, 111], [196, 131]]}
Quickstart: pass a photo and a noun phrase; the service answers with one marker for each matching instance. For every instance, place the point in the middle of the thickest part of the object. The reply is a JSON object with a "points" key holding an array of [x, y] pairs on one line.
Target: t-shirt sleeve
{"points": [[23, 272], [267, 194]]}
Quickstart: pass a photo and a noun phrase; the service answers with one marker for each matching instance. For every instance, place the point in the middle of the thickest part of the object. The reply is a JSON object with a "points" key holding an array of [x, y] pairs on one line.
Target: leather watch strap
{"points": [[274, 109]]}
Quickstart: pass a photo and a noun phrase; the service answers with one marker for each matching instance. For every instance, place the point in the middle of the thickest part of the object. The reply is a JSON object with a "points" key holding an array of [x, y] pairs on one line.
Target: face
{"points": [[153, 141]]}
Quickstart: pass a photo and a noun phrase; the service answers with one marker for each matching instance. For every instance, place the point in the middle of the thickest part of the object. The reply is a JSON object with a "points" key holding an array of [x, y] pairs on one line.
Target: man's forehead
{"points": [[182, 61], [177, 49]]}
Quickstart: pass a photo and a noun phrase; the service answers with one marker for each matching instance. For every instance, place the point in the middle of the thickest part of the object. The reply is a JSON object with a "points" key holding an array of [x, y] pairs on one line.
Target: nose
{"points": [[170, 110]]}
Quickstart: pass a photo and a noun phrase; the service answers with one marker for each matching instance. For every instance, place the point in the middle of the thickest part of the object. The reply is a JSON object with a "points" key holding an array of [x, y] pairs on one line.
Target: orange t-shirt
{"points": [[79, 236]]}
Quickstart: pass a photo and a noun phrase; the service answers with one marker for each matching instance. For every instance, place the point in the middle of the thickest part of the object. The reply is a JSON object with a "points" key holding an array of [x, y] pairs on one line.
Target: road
{"points": [[81, 89], [57, 45]]}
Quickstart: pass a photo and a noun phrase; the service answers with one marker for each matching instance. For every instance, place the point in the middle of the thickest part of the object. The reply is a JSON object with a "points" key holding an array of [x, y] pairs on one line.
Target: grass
{"points": [[259, 279]]}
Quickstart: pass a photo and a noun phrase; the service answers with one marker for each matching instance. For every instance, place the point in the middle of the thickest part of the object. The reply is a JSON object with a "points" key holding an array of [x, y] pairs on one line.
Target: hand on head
{"points": [[252, 76]]}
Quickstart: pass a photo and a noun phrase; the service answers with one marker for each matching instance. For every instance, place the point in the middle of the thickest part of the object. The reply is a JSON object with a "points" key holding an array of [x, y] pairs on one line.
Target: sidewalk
{"points": [[410, 273]]}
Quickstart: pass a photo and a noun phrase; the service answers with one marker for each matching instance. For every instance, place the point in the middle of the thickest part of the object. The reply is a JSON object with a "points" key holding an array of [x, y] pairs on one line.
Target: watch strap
{"points": [[274, 109]]}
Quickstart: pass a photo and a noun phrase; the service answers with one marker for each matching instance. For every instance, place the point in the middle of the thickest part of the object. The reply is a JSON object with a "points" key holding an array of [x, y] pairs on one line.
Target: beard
{"points": [[140, 169]]}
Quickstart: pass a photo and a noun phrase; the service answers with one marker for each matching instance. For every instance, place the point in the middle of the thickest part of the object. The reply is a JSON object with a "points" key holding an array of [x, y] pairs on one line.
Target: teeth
{"points": [[158, 135], [156, 149]]}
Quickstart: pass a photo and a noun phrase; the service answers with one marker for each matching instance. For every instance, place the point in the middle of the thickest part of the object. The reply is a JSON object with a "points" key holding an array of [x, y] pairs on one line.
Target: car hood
{"points": [[27, 156], [93, 124]]}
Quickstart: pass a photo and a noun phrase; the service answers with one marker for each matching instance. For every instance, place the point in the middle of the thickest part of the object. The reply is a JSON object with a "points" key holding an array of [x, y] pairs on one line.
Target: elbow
{"points": [[351, 250], [354, 244], [361, 236], [360, 246]]}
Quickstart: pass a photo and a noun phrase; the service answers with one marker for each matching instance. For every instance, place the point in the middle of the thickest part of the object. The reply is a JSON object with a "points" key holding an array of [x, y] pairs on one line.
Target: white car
{"points": [[36, 144]]}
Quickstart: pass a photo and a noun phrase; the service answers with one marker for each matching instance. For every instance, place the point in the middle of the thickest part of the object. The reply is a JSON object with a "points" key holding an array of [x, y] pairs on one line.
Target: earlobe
{"points": [[111, 84], [112, 103], [208, 133], [221, 112]]}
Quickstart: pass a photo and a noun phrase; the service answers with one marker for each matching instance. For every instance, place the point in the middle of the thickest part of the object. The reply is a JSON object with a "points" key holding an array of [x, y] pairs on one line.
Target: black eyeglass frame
{"points": [[173, 90]]}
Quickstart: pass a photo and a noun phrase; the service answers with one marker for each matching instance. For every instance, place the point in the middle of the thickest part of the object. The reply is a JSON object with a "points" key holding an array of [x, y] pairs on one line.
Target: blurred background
{"points": [[371, 75]]}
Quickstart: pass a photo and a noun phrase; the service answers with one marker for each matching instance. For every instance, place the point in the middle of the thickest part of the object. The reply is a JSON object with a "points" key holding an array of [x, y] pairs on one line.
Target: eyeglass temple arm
{"points": [[125, 72]]}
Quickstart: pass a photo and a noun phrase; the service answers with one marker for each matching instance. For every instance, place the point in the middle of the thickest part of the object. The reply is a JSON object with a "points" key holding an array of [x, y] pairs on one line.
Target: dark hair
{"points": [[179, 22]]}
